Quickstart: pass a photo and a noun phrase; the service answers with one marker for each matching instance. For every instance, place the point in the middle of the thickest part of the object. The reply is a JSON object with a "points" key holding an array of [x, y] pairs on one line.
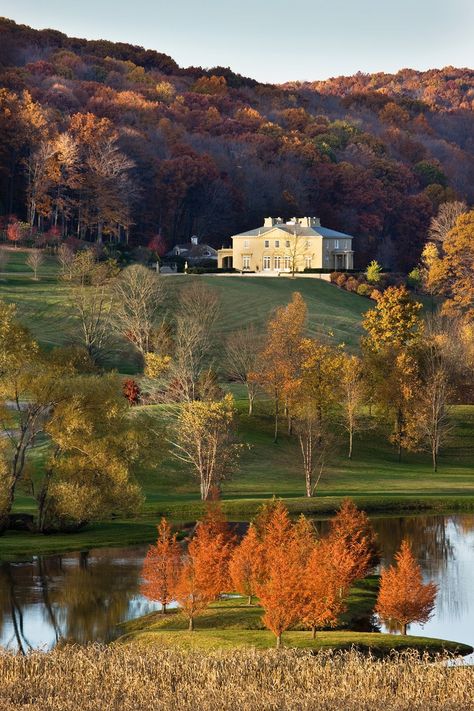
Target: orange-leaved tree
{"points": [[327, 578], [205, 569], [281, 355], [192, 595], [353, 528], [246, 563], [280, 590], [161, 567], [403, 597], [212, 545]]}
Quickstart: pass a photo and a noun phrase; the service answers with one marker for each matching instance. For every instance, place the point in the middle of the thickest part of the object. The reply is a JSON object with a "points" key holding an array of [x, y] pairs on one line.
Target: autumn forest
{"points": [[113, 143]]}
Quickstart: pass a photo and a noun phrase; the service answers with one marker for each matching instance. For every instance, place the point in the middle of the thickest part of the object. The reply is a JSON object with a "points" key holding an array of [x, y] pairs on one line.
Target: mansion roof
{"points": [[302, 231]]}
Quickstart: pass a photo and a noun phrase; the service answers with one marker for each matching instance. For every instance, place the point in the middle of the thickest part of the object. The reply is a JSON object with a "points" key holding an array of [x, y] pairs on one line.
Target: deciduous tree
{"points": [[139, 294], [352, 391], [394, 321], [245, 565], [353, 529], [327, 577], [34, 261], [281, 355], [161, 567], [204, 437], [280, 590], [242, 352], [403, 597]]}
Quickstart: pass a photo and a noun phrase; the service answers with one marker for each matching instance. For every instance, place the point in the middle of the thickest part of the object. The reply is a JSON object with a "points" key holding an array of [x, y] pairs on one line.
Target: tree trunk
{"points": [[275, 438], [313, 633], [309, 484], [163, 608], [191, 624], [5, 515], [405, 627], [249, 601], [251, 398], [351, 437], [278, 641], [435, 458]]}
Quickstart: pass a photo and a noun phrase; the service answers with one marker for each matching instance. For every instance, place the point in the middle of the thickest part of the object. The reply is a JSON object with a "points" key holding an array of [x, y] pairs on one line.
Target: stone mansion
{"points": [[279, 247]]}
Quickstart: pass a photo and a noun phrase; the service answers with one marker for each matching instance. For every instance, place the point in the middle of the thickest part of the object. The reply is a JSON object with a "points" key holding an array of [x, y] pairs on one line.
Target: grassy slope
{"points": [[374, 477], [247, 300], [232, 623], [43, 304]]}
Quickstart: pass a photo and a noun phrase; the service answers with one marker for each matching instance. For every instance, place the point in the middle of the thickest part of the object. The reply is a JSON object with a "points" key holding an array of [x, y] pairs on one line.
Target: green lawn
{"points": [[332, 312], [373, 478], [233, 623], [44, 307]]}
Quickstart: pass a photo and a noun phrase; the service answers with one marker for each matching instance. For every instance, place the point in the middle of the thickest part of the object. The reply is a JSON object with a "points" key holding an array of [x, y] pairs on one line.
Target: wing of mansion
{"points": [[277, 246]]}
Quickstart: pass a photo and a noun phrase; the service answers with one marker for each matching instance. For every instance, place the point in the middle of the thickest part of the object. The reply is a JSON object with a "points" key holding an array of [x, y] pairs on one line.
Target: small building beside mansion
{"points": [[279, 247]]}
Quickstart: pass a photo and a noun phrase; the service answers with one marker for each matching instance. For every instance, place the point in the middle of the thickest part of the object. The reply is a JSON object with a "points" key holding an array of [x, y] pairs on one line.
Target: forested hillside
{"points": [[107, 141]]}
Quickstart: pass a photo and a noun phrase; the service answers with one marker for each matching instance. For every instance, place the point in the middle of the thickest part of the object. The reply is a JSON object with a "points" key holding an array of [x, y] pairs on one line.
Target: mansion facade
{"points": [[288, 247]]}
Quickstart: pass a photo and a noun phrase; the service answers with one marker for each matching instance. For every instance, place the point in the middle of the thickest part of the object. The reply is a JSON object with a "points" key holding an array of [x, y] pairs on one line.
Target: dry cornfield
{"points": [[126, 678]]}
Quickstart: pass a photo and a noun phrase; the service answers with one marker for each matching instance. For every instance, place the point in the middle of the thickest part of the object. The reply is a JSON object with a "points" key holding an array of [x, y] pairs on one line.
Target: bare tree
{"points": [[442, 358], [445, 220], [352, 392], [34, 261], [94, 306], [66, 259], [316, 444], [242, 351], [139, 296], [204, 437], [92, 301], [197, 313], [296, 249]]}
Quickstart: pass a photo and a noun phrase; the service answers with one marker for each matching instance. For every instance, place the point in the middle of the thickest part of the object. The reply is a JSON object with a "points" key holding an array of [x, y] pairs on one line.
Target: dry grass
{"points": [[134, 679]]}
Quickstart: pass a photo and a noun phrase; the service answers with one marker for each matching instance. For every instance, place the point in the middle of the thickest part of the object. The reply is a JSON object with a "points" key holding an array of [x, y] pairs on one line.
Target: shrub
{"points": [[341, 280], [352, 284], [334, 277], [131, 390], [414, 279], [364, 289], [373, 272], [375, 294]]}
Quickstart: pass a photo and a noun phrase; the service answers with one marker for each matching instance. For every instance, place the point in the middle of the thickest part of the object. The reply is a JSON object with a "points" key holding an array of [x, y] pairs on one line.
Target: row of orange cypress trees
{"points": [[297, 577]]}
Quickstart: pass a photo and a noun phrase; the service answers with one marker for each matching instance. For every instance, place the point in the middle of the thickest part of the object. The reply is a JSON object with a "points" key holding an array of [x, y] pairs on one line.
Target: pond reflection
{"points": [[78, 597], [82, 597]]}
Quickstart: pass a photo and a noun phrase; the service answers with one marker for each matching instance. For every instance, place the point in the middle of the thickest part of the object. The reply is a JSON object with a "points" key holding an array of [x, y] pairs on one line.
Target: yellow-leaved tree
{"points": [[204, 438]]}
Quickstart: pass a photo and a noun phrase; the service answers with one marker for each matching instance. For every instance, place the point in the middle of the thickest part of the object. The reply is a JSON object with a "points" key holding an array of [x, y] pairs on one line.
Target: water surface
{"points": [[82, 597]]}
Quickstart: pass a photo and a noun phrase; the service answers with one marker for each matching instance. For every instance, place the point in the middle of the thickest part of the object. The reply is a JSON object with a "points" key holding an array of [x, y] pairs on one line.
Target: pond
{"points": [[82, 597]]}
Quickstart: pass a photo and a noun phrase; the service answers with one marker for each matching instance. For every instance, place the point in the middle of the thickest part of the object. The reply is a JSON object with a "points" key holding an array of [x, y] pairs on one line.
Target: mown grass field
{"points": [[232, 623], [374, 478], [45, 308]]}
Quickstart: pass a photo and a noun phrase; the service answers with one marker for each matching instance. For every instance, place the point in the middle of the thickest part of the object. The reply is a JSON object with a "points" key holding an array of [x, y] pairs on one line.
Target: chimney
{"points": [[194, 239]]}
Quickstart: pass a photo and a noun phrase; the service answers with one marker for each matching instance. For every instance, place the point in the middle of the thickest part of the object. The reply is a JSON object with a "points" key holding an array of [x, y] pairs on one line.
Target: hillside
{"points": [[107, 142], [44, 305]]}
